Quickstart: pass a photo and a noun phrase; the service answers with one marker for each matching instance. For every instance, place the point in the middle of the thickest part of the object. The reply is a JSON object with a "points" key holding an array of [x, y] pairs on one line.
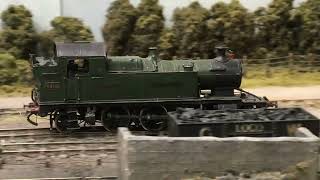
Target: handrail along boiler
{"points": [[81, 85]]}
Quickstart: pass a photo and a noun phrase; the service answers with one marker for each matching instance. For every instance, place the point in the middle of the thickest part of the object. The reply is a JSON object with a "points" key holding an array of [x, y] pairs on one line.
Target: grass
{"points": [[280, 77], [255, 77], [15, 90]]}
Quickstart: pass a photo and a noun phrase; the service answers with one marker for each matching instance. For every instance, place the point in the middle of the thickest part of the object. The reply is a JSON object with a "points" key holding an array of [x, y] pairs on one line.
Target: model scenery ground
{"points": [[306, 97]]}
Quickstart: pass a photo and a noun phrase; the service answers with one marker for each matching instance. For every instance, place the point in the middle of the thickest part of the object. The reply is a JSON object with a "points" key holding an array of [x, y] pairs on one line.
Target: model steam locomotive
{"points": [[81, 85]]}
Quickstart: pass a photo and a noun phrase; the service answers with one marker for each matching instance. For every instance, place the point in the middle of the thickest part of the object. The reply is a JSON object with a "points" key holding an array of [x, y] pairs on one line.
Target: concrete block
{"points": [[150, 157]]}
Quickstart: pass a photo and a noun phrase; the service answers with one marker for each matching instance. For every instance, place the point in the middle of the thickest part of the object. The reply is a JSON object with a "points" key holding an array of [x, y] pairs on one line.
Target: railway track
{"points": [[25, 131], [47, 135], [43, 140], [21, 111], [73, 178], [82, 151], [297, 100], [300, 101], [12, 111], [65, 146], [44, 153], [47, 131], [86, 139]]}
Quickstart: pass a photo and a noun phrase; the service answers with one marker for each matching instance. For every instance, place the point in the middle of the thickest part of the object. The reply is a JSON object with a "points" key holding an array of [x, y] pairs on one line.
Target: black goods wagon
{"points": [[261, 122]]}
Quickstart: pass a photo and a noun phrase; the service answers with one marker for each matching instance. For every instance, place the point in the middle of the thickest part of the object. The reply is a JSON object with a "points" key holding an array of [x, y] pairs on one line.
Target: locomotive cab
{"points": [[80, 62]]}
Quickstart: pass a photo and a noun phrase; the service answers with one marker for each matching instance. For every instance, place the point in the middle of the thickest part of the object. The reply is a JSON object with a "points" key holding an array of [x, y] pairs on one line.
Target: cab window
{"points": [[83, 65], [77, 66]]}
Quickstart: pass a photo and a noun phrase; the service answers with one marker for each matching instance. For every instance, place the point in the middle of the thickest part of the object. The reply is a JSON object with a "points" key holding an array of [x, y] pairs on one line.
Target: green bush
{"points": [[24, 72], [14, 71], [7, 61], [7, 89], [64, 29], [17, 36]]}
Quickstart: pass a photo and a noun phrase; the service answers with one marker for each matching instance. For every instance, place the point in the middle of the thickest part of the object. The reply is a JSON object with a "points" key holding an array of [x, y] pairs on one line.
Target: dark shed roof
{"points": [[83, 49]]}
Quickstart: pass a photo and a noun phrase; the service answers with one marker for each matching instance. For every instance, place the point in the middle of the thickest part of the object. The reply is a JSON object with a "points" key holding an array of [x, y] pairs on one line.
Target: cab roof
{"points": [[80, 49]]}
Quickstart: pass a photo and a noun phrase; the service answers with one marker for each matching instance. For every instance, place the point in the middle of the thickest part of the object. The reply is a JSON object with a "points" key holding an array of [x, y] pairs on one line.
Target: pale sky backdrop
{"points": [[92, 12]]}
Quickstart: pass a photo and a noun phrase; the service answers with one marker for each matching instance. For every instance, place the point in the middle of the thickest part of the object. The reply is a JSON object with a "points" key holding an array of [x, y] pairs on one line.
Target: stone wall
{"points": [[147, 157]]}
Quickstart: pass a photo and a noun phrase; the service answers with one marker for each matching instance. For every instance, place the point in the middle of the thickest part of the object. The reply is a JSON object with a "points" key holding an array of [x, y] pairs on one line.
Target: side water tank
{"points": [[212, 73]]}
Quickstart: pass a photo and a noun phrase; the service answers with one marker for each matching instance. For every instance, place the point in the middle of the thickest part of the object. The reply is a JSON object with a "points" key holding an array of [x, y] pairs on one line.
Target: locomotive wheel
{"points": [[115, 117], [153, 118], [61, 122]]}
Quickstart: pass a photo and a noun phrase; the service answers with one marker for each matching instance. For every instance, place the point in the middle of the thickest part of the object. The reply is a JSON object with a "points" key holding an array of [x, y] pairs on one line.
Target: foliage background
{"points": [[277, 30]]}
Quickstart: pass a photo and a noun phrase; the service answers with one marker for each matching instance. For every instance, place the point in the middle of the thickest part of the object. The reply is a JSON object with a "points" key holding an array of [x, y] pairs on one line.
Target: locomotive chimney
{"points": [[221, 53]]}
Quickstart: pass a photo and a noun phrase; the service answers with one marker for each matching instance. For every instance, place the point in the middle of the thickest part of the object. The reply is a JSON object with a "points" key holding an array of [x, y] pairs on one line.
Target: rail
{"points": [[72, 178]]}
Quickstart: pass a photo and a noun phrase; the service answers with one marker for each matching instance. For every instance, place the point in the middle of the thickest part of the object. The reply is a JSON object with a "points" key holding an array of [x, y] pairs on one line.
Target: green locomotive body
{"points": [[81, 84]]}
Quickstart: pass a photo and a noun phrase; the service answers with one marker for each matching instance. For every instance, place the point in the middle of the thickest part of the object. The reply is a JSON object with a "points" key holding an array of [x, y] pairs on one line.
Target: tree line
{"points": [[276, 30], [18, 39]]}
